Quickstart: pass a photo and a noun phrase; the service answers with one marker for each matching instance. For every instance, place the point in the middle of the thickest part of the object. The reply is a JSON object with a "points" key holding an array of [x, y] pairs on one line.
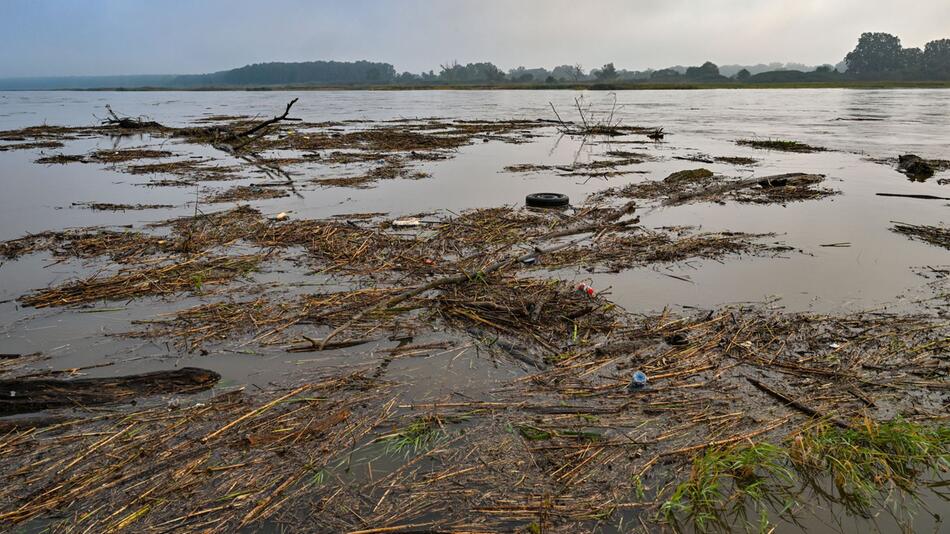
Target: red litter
{"points": [[584, 288]]}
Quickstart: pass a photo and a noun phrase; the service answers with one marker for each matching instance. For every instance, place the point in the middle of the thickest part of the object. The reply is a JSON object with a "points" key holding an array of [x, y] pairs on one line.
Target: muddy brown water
{"points": [[877, 268]]}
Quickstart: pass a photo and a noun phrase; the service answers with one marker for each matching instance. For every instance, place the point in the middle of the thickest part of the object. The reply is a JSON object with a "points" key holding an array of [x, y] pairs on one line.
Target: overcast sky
{"points": [[93, 37]]}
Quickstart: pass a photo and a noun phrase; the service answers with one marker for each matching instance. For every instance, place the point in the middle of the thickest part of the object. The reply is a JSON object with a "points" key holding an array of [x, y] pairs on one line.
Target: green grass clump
{"points": [[779, 144], [859, 469], [418, 435], [861, 464], [723, 482]]}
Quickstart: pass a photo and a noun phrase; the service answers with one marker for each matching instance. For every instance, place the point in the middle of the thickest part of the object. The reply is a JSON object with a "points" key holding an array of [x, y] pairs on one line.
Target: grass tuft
{"points": [[859, 469], [865, 463], [724, 482], [417, 436]]}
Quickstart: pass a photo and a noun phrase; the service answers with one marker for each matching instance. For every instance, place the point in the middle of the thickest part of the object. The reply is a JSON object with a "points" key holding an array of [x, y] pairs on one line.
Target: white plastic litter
{"points": [[411, 221]]}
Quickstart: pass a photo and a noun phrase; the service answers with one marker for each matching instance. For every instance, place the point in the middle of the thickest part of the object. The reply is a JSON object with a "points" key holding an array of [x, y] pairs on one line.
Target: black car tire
{"points": [[546, 200]]}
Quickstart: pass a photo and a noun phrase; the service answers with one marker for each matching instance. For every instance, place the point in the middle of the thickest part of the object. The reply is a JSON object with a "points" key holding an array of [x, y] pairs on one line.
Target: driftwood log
{"points": [[32, 395], [921, 197]]}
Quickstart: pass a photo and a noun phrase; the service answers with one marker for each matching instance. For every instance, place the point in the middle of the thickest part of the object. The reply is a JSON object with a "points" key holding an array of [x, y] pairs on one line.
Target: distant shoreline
{"points": [[619, 86]]}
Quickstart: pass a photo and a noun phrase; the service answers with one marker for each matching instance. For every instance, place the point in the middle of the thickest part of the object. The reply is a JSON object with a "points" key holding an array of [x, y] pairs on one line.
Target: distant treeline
{"points": [[877, 57], [309, 72]]}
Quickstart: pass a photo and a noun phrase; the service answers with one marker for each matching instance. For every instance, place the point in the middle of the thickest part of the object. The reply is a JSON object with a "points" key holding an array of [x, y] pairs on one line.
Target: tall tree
{"points": [[937, 58], [708, 71], [876, 53], [607, 72]]}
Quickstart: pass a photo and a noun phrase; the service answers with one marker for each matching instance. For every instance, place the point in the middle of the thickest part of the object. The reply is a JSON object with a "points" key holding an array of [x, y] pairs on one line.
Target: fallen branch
{"points": [[128, 123], [265, 124]]}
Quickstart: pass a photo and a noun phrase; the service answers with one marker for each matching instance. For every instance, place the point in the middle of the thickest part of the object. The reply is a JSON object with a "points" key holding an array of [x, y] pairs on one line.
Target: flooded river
{"points": [[874, 268], [835, 255]]}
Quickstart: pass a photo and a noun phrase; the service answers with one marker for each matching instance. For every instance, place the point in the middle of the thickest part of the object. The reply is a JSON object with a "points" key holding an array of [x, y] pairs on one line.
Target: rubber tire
{"points": [[546, 200]]}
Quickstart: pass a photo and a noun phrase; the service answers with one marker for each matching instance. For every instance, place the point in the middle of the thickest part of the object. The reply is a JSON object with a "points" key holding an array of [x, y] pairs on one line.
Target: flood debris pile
{"points": [[480, 231], [187, 172], [238, 459], [389, 150], [51, 136], [193, 327], [702, 185], [367, 151], [380, 258], [205, 231], [935, 235], [659, 246], [781, 145], [566, 446], [109, 206], [417, 260], [127, 154], [529, 320], [128, 123], [115, 158], [739, 161], [61, 159], [187, 234], [603, 168], [389, 168], [47, 132], [119, 246], [570, 445], [244, 193], [151, 265], [190, 275], [740, 410], [32, 145], [341, 247]]}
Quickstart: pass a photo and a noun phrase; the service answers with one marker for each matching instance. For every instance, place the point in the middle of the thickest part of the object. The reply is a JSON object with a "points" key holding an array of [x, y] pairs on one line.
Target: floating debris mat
{"points": [[131, 283]]}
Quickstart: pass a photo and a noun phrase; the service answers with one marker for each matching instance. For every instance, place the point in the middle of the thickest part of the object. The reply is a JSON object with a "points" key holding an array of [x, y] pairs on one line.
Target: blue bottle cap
{"points": [[638, 381]]}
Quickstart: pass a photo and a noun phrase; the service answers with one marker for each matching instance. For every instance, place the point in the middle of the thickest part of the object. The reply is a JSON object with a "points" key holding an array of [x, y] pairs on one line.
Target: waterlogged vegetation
{"points": [[935, 235], [861, 469], [455, 369], [725, 483]]}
